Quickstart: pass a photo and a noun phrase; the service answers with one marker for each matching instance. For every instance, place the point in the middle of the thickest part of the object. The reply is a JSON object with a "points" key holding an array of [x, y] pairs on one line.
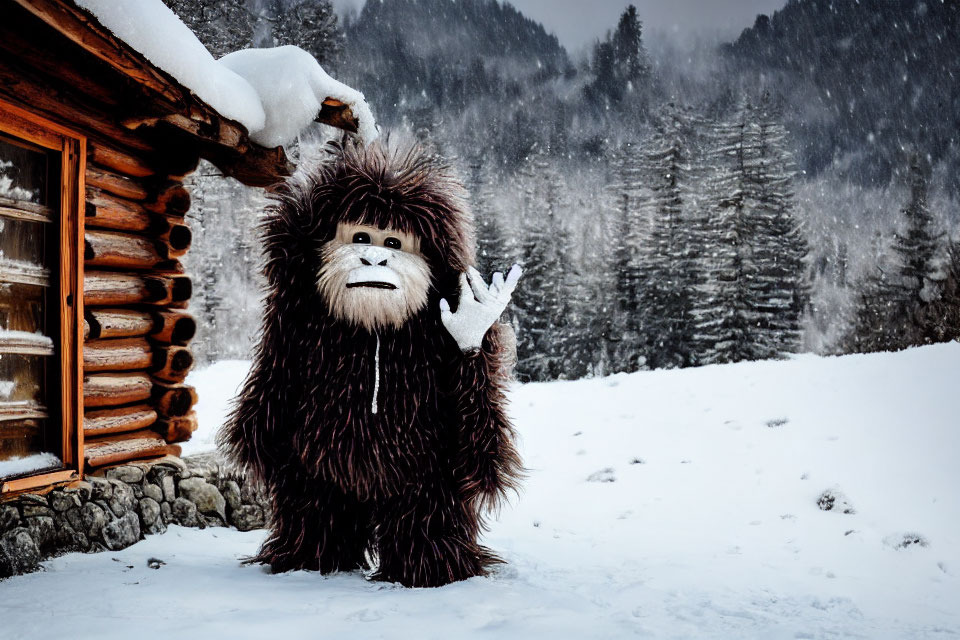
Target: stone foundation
{"points": [[115, 511]]}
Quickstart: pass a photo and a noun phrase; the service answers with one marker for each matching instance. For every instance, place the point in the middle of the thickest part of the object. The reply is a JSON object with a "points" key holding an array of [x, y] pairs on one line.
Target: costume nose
{"points": [[371, 255]]}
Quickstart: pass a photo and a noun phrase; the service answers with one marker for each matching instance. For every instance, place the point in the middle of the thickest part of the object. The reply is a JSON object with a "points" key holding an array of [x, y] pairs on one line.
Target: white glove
{"points": [[479, 307]]}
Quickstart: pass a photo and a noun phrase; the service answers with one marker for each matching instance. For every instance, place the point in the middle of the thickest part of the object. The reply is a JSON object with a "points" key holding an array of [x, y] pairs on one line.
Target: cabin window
{"points": [[29, 376], [39, 306]]}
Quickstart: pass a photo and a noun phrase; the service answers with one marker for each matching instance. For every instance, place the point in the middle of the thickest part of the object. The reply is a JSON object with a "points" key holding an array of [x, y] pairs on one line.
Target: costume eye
{"points": [[361, 238], [391, 243]]}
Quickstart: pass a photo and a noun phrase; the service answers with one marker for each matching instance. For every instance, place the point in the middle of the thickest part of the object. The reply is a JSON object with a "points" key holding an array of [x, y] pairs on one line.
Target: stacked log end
{"points": [[136, 357]]}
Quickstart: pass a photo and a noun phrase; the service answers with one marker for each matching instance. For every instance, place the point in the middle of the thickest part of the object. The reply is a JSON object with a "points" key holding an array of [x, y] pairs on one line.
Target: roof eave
{"points": [[175, 108]]}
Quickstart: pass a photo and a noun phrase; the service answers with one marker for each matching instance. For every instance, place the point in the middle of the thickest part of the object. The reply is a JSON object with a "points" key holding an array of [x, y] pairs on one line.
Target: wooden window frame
{"points": [[72, 147]]}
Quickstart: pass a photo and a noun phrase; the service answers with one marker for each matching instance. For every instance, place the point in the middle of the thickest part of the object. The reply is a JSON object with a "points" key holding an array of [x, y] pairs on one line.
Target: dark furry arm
{"points": [[487, 463], [252, 435], [255, 436]]}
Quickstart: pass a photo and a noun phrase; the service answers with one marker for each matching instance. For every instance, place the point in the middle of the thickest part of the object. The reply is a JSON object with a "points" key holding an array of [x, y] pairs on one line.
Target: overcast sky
{"points": [[579, 22]]}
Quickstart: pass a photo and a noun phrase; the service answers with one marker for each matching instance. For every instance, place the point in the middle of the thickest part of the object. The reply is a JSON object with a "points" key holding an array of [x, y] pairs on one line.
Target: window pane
{"points": [[21, 307], [19, 439], [22, 249], [23, 173], [30, 438], [21, 384]]}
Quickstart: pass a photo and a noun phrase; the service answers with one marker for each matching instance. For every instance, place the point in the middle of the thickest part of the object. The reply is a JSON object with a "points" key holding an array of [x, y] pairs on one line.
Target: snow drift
{"points": [[668, 504]]}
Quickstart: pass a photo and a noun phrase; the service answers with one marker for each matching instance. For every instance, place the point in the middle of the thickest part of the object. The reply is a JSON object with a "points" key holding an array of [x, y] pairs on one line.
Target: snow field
{"points": [[665, 504]]}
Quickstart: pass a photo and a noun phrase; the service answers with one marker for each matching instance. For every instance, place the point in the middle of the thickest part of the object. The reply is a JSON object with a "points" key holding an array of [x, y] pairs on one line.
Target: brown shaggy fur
{"points": [[408, 484]]}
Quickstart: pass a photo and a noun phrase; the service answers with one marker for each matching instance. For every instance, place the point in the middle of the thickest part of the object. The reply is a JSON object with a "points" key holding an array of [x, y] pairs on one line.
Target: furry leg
{"points": [[427, 537], [315, 526]]}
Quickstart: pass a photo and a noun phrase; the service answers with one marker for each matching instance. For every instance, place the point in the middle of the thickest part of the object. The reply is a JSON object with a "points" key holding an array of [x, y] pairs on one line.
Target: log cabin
{"points": [[95, 143]]}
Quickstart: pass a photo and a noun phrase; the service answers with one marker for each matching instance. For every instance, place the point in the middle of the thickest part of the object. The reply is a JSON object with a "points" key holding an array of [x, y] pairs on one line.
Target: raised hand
{"points": [[480, 305]]}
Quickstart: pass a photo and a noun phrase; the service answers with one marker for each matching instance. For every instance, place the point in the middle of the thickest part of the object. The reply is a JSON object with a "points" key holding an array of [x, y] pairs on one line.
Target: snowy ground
{"points": [[671, 504]]}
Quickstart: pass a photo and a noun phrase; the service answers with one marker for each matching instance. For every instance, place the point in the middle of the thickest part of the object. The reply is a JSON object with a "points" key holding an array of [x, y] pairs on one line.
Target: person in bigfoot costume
{"points": [[374, 410]]}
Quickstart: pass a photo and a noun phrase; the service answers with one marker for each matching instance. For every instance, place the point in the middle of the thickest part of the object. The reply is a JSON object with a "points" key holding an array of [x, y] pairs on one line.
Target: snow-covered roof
{"points": [[292, 85], [274, 93]]}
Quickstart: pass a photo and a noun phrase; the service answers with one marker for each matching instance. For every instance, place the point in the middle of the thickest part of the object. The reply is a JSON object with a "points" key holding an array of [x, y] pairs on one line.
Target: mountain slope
{"points": [[445, 53], [864, 81]]}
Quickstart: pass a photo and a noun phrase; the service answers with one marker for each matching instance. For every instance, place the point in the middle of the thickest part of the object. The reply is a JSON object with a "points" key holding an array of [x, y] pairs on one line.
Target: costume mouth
{"points": [[372, 285]]}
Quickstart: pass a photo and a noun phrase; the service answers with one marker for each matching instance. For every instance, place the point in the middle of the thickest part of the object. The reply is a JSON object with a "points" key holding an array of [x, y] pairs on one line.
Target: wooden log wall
{"points": [[135, 330], [145, 133]]}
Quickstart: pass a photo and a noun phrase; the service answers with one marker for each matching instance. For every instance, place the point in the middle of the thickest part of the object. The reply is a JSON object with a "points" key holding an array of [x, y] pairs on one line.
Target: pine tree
{"points": [[495, 249], [541, 305], [596, 334], [230, 25], [309, 24], [756, 285], [668, 261], [878, 321], [917, 245], [902, 305], [724, 320], [221, 25], [224, 263], [620, 63], [780, 248], [625, 240], [630, 56], [210, 304], [939, 319]]}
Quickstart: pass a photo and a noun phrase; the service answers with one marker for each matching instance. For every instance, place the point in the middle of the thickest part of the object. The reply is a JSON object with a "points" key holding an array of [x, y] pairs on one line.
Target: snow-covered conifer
{"points": [[903, 305], [620, 65], [624, 241], [224, 264], [756, 276], [542, 304], [496, 249], [668, 259], [780, 247], [312, 25], [221, 25]]}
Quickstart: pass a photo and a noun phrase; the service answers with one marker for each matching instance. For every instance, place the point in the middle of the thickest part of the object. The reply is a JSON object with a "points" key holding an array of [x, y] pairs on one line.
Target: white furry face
{"points": [[373, 277]]}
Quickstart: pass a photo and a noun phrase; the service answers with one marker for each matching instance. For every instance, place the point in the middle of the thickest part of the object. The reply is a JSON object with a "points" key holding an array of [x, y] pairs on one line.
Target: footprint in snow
{"points": [[604, 475], [906, 540], [505, 572], [366, 615], [834, 500], [773, 423]]}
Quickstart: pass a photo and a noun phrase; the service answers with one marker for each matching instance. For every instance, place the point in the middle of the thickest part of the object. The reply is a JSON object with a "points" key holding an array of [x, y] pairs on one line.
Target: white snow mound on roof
{"points": [[292, 86], [274, 93], [151, 28]]}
